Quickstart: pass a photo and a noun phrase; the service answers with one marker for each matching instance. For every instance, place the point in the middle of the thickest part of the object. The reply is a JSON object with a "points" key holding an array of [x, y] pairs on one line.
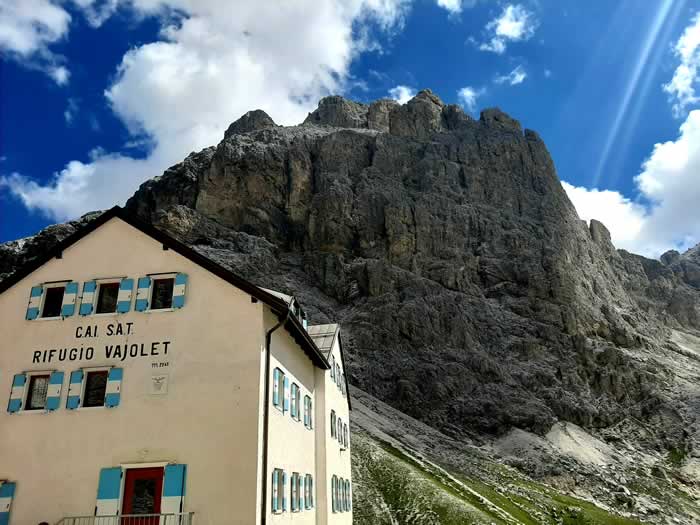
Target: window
{"points": [[339, 431], [295, 491], [309, 491], [334, 493], [308, 419], [333, 428], [345, 435], [278, 389], [37, 392], [107, 298], [348, 496], [162, 293], [296, 402], [279, 503], [337, 375], [95, 388], [332, 367], [53, 301]]}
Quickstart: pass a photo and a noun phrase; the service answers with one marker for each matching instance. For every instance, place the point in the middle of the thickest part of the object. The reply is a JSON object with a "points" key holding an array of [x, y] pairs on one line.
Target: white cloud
{"points": [[669, 181], [402, 94], [681, 88], [70, 111], [622, 216], [515, 23], [468, 97], [220, 61], [27, 28], [455, 6], [517, 76]]}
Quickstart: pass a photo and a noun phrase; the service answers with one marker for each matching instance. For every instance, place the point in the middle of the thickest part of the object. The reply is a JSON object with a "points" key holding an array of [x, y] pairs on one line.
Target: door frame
{"points": [[126, 474], [132, 466]]}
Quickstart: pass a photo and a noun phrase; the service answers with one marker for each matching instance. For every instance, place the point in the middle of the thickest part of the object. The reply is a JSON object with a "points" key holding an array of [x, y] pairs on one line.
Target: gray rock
{"points": [[471, 294], [251, 121]]}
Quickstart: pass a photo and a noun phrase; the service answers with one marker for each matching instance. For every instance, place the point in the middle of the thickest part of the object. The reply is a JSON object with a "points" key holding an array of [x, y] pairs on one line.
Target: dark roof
{"points": [[278, 305]]}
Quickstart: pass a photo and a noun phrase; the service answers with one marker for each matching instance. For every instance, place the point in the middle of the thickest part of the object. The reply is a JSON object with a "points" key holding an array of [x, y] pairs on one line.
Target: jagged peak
{"points": [[251, 121], [494, 117]]}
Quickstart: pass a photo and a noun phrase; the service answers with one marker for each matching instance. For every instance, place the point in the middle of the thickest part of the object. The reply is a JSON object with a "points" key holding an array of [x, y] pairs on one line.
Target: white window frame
{"points": [[295, 401], [96, 295], [279, 497], [280, 389], [25, 394], [86, 371], [44, 288], [294, 487], [153, 277]]}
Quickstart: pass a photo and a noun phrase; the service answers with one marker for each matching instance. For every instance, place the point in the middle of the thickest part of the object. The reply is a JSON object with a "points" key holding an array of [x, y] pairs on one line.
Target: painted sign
{"points": [[119, 351]]}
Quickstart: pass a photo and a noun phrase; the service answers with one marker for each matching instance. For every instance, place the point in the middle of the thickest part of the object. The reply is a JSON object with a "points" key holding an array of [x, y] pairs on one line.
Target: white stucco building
{"points": [[142, 379]]}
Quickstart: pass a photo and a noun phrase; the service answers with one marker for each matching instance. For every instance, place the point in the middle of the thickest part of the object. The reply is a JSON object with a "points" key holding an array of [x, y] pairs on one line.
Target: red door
{"points": [[142, 491]]}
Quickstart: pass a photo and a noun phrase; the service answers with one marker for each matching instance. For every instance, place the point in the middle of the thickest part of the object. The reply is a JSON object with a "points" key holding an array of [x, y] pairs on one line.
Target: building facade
{"points": [[143, 380]]}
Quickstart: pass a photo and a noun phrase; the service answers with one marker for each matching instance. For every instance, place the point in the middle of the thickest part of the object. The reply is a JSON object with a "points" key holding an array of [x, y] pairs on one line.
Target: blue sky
{"points": [[99, 95]]}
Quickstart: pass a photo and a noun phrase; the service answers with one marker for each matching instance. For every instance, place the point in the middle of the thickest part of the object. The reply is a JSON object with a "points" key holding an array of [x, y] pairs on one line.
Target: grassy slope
{"points": [[393, 486]]}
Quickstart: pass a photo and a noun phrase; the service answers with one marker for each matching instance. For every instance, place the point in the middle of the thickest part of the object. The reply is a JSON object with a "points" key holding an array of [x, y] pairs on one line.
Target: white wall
{"points": [[291, 446], [209, 419], [332, 459]]}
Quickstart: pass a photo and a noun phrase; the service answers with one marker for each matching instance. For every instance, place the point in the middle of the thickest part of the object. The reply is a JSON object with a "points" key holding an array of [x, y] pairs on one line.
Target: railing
{"points": [[184, 518]]}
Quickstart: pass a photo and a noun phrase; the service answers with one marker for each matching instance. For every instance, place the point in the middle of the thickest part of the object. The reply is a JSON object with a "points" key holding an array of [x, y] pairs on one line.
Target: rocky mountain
{"points": [[472, 297]]}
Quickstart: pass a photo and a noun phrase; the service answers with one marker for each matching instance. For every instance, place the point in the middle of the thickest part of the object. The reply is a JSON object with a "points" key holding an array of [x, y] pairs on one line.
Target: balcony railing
{"points": [[184, 518]]}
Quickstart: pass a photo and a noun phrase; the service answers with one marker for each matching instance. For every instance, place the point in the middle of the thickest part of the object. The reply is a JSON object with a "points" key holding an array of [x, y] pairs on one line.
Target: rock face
{"points": [[471, 295]]}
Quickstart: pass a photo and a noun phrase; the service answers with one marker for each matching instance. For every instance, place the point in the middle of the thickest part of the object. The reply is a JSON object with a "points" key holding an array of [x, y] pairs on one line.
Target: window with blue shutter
{"points": [[294, 491], [34, 302], [88, 298], [349, 496], [179, 290], [17, 393], [108, 491], [333, 494], [114, 387], [286, 394], [275, 490], [126, 288], [333, 423], [332, 363], [301, 492], [53, 396], [7, 494], [174, 482], [308, 410], [75, 389], [70, 297], [295, 401], [278, 380]]}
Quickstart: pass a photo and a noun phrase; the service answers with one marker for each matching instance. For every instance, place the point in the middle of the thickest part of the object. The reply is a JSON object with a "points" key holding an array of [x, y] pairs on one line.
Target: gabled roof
{"points": [[276, 303], [325, 335]]}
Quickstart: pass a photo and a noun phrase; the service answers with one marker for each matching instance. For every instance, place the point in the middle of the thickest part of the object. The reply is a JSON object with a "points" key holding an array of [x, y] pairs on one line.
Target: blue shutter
{"points": [[34, 302], [75, 388], [286, 393], [275, 490], [284, 491], [143, 292], [179, 290], [293, 400], [114, 387], [70, 296], [7, 493], [88, 298], [126, 287], [53, 395], [17, 393], [293, 494], [174, 481], [108, 491]]}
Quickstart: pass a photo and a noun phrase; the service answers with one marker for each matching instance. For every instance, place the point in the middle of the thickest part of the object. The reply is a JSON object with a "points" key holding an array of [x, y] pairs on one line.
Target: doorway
{"points": [[143, 488]]}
